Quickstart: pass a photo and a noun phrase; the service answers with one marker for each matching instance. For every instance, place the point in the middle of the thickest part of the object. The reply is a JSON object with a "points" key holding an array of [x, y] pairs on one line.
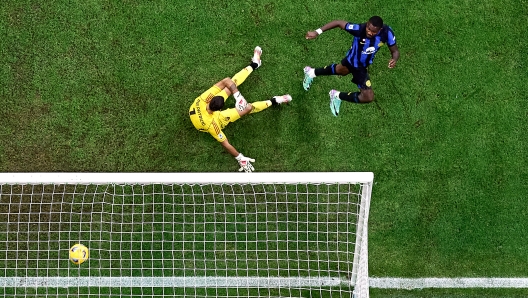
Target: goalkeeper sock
{"points": [[325, 71], [242, 75], [351, 97], [260, 106]]}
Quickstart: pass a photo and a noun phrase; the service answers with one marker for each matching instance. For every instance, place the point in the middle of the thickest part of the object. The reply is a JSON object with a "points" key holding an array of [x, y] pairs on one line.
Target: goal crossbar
{"points": [[185, 178]]}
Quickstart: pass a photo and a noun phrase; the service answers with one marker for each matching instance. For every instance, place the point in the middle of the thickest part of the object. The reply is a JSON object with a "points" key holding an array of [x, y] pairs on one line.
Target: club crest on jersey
{"points": [[369, 50]]}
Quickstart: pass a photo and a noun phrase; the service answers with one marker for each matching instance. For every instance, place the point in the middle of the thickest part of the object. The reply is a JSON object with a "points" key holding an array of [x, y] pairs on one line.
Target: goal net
{"points": [[185, 234]]}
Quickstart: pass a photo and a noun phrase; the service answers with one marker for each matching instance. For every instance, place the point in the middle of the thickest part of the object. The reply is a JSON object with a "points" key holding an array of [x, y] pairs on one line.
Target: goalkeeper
{"points": [[207, 115]]}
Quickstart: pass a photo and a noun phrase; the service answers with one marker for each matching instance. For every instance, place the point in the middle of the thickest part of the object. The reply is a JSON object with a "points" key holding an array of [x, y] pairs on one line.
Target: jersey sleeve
{"points": [[352, 29], [391, 38], [216, 132], [210, 93]]}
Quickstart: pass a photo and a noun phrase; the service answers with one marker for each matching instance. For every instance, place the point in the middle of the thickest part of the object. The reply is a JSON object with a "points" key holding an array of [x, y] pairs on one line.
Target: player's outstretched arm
{"points": [[243, 161], [229, 148], [395, 56], [333, 24]]}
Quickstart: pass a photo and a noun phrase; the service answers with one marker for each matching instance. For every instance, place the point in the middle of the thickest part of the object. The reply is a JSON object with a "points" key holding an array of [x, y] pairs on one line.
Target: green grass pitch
{"points": [[100, 85]]}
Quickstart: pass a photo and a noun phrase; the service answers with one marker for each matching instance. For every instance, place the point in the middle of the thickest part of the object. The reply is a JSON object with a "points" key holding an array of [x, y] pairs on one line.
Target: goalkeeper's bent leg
{"points": [[242, 75]]}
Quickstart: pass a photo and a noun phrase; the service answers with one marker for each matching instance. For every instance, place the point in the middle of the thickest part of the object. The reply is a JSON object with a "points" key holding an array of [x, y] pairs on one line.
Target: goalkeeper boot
{"points": [[283, 98], [307, 78], [335, 102], [256, 56]]}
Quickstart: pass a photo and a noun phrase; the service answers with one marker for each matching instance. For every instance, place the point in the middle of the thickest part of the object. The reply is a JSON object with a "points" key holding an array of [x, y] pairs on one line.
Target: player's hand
{"points": [[392, 63], [311, 35], [245, 163], [241, 103]]}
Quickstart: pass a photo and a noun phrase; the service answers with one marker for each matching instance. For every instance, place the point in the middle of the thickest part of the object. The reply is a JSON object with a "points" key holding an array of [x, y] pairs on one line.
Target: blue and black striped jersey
{"points": [[363, 49]]}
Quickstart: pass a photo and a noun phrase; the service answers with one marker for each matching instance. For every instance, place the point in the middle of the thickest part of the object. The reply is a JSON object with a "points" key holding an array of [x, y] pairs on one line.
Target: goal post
{"points": [[300, 234]]}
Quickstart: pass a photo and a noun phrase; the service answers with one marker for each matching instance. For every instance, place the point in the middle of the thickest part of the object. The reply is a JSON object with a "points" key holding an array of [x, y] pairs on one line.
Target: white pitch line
{"points": [[460, 282], [176, 282], [257, 282]]}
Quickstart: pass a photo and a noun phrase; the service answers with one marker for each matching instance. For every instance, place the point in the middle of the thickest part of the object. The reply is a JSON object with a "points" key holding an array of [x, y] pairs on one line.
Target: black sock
{"points": [[254, 65], [274, 101], [350, 96], [325, 71]]}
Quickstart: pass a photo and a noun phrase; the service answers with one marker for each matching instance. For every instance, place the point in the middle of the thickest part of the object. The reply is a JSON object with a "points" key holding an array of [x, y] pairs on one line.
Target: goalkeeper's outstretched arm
{"points": [[243, 161], [229, 148]]}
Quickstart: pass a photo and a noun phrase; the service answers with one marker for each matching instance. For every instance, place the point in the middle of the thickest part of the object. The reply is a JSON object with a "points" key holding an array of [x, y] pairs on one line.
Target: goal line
{"points": [[438, 282], [258, 282], [176, 282]]}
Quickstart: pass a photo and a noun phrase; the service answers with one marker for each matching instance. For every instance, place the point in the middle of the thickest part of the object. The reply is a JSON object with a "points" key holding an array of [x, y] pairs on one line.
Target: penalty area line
{"points": [[457, 282]]}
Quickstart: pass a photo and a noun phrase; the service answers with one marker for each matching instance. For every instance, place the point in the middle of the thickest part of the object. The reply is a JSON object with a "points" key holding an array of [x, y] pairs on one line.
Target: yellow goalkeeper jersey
{"points": [[202, 120]]}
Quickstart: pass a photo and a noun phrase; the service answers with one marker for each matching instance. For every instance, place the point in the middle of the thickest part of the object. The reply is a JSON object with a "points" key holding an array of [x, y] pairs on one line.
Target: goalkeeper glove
{"points": [[245, 163], [240, 101]]}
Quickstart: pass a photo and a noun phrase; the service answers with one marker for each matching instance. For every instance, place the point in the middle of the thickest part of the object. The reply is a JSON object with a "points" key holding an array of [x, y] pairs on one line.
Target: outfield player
{"points": [[207, 115], [368, 38]]}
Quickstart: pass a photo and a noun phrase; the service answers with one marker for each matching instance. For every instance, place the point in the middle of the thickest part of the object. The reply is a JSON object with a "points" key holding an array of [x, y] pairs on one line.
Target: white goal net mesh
{"points": [[273, 238]]}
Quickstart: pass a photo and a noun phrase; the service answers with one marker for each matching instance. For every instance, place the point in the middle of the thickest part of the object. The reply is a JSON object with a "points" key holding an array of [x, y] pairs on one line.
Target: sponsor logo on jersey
{"points": [[353, 27], [369, 50]]}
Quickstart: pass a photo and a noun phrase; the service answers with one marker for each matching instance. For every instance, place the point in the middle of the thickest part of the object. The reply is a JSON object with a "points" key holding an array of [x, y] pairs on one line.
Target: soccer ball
{"points": [[79, 254]]}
